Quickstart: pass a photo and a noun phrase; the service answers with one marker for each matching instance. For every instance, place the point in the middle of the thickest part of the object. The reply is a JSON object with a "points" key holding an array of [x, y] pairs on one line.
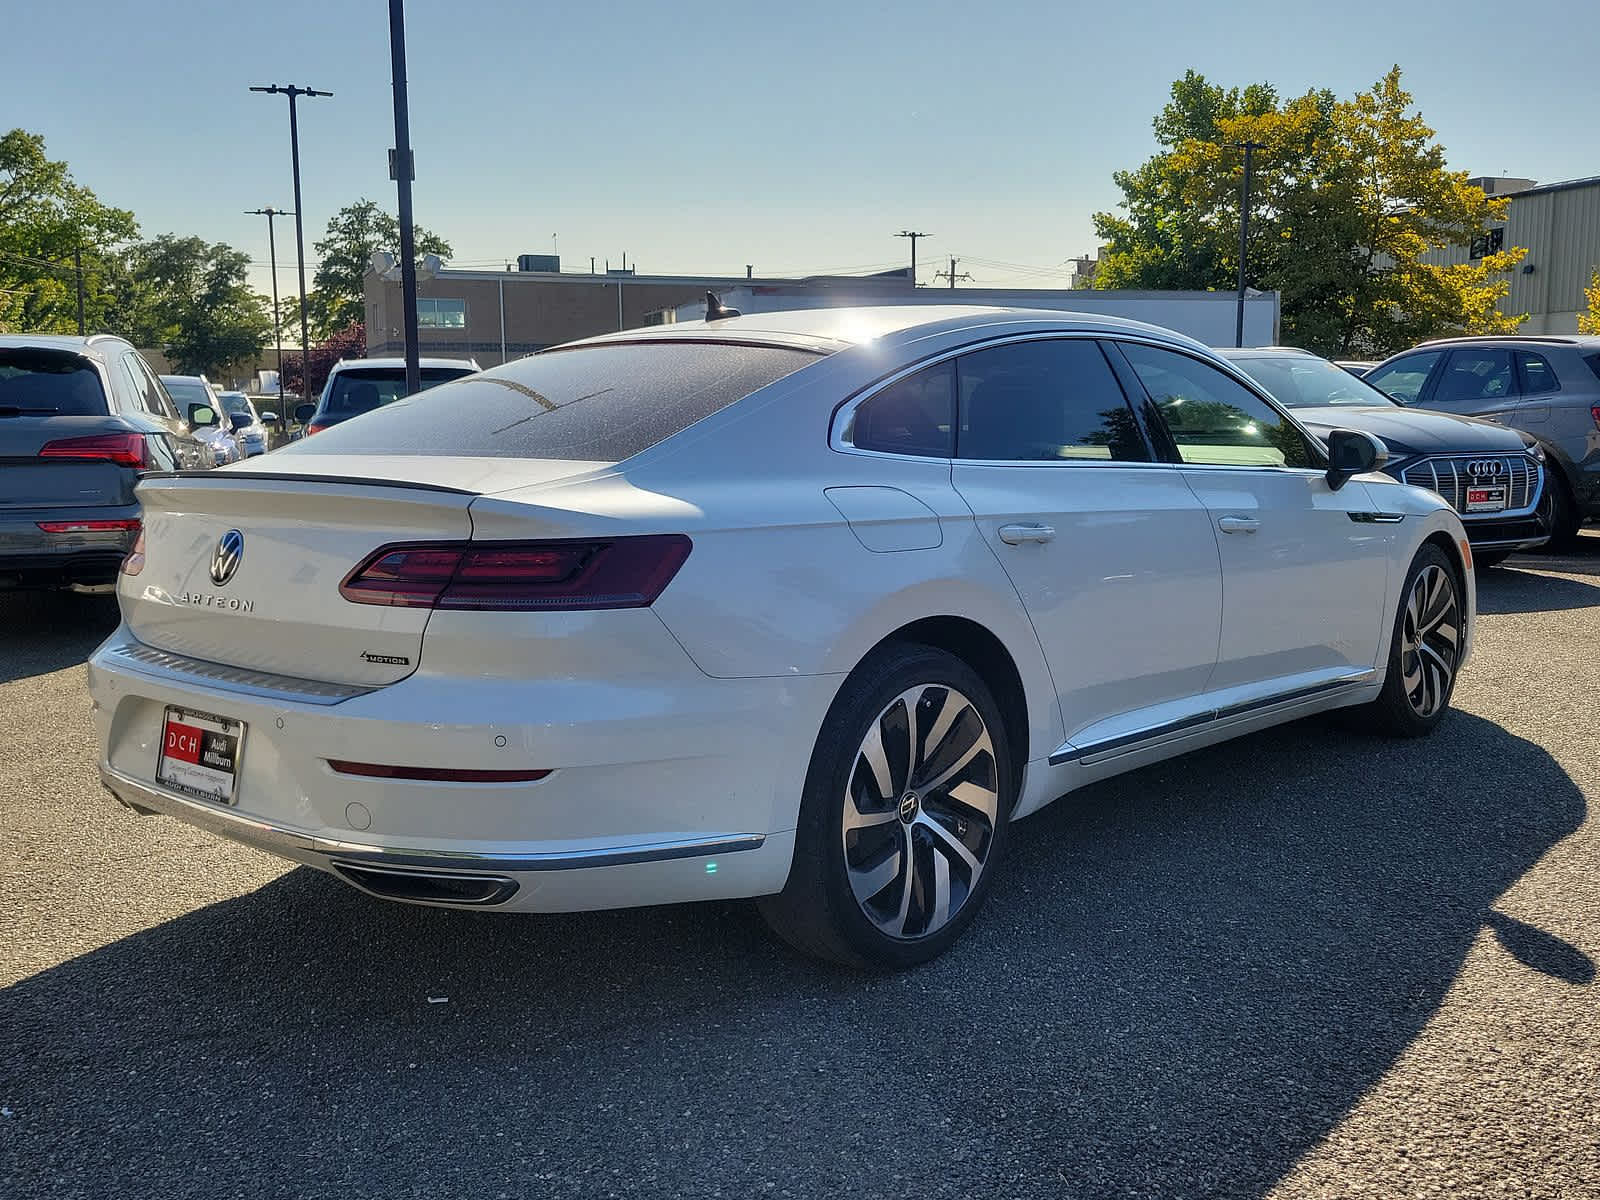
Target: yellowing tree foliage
{"points": [[1589, 322], [1348, 198]]}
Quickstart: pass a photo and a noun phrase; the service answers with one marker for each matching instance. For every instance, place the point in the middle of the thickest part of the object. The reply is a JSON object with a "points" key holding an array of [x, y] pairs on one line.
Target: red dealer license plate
{"points": [[1486, 498], [200, 754]]}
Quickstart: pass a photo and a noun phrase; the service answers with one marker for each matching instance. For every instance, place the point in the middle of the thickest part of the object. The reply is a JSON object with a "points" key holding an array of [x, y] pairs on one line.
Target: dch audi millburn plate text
{"points": [[803, 606]]}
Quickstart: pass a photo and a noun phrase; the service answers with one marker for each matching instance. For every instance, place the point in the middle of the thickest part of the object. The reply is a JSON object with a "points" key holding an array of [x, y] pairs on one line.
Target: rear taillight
{"points": [[627, 572], [314, 428], [1595, 414], [126, 449], [89, 526], [134, 563]]}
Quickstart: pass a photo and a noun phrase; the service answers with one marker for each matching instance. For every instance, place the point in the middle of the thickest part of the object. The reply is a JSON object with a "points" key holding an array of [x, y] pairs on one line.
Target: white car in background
{"points": [[800, 606]]}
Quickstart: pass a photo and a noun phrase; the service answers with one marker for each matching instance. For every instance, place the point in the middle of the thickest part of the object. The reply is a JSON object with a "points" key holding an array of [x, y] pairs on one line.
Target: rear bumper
{"points": [[658, 793], [32, 558]]}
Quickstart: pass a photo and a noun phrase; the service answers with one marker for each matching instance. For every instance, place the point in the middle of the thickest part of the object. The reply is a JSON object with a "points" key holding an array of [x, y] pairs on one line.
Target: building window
{"points": [[1491, 241], [441, 314]]}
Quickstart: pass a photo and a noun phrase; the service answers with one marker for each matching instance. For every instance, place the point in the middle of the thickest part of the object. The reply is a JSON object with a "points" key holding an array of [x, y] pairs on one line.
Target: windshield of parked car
{"points": [[1301, 381], [47, 383], [363, 389], [593, 404], [188, 391], [235, 402]]}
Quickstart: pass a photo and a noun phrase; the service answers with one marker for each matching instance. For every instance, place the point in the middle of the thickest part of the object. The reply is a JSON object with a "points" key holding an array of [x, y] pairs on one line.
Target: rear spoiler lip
{"points": [[362, 481]]}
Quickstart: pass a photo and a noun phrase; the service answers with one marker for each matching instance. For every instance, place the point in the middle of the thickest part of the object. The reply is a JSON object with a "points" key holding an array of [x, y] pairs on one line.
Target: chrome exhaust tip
{"points": [[424, 886]]}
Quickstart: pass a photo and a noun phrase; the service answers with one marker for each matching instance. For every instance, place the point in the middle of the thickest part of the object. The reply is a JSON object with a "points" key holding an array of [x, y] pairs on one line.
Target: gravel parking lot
{"points": [[1304, 964]]}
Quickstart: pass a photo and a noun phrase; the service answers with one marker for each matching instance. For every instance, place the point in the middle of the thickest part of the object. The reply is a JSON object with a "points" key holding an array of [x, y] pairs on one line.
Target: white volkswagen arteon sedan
{"points": [[804, 606]]}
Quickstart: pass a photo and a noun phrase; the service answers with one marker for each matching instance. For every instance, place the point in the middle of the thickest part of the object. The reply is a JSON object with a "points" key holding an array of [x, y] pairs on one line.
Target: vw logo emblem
{"points": [[1485, 466], [225, 558], [909, 806]]}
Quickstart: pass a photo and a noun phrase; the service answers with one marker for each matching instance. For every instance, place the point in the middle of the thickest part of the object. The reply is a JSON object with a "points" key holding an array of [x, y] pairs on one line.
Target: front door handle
{"points": [[1015, 535], [1233, 524]]}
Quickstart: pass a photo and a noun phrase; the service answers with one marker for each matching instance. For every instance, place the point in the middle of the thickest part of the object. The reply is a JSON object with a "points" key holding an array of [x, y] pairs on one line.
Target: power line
{"points": [[951, 273]]}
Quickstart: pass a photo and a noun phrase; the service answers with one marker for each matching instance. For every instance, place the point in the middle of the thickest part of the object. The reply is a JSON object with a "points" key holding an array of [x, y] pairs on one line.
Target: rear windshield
{"points": [[594, 404], [363, 389], [49, 383]]}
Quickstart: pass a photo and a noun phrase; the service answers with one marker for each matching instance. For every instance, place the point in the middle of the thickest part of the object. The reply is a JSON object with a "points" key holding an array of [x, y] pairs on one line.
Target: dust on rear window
{"points": [[593, 403], [49, 383]]}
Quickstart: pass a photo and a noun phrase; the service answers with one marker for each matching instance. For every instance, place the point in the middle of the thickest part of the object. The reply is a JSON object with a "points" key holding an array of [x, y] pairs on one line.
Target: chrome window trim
{"points": [[845, 411]]}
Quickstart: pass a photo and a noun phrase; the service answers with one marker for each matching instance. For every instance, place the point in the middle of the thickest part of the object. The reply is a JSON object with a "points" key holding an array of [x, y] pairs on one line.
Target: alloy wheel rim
{"points": [[920, 808], [1430, 640]]}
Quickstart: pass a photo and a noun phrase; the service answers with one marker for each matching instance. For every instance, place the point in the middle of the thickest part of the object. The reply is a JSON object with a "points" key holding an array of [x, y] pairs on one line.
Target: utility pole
{"points": [[1249, 149], [404, 169], [77, 258], [951, 274], [294, 93], [906, 233], [277, 327]]}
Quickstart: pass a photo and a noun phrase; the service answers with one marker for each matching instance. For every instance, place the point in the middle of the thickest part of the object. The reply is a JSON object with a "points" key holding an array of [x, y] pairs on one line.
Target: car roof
{"points": [[1580, 340], [832, 329], [1265, 352], [89, 346], [389, 363]]}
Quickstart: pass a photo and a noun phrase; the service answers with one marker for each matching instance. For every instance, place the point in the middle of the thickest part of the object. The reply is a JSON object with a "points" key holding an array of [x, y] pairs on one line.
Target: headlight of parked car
{"points": [[1535, 449]]}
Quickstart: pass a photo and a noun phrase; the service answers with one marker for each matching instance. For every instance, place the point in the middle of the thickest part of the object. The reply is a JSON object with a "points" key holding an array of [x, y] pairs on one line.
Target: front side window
{"points": [[1474, 376], [1404, 378], [441, 314], [1537, 377], [915, 415], [1044, 401], [1213, 419]]}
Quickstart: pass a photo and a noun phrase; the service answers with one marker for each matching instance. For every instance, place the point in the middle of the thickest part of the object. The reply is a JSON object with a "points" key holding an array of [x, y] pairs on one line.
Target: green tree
{"points": [[355, 233], [189, 297], [1349, 198], [45, 221], [1589, 322]]}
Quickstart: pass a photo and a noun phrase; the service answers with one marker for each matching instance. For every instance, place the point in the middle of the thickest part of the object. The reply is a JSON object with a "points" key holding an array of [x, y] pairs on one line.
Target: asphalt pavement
{"points": [[1305, 964]]}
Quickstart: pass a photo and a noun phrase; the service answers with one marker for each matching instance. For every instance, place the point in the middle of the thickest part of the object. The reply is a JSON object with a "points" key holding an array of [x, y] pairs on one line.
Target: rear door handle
{"points": [[1238, 524], [1015, 535]]}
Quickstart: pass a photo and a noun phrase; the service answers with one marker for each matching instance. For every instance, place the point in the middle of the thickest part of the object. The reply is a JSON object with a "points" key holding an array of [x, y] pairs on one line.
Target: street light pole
{"points": [[403, 171], [1249, 149], [294, 93], [277, 326]]}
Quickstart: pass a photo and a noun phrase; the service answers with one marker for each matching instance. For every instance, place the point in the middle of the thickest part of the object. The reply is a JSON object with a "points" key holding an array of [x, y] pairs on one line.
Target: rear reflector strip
{"points": [[89, 526], [433, 774]]}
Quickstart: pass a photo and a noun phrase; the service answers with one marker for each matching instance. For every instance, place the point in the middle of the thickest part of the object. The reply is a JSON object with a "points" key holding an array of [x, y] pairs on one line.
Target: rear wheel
{"points": [[1425, 650], [903, 818]]}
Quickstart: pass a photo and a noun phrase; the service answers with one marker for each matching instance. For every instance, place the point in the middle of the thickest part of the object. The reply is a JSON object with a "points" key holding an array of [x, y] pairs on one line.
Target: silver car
{"points": [[1547, 387], [248, 429]]}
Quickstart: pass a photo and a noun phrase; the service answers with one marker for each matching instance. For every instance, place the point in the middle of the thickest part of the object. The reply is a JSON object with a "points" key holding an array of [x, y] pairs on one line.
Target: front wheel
{"points": [[903, 817], [1425, 649]]}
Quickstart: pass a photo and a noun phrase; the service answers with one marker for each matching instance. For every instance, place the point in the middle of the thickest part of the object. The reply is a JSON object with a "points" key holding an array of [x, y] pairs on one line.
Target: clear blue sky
{"points": [[698, 137]]}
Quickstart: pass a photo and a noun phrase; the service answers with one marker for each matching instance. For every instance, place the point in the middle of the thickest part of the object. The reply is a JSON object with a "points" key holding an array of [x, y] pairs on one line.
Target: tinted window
{"points": [[1044, 401], [915, 415], [187, 392], [1300, 381], [1214, 419], [1594, 364], [151, 391], [49, 382], [1537, 377], [1473, 376], [595, 404], [235, 402], [353, 392], [1403, 378]]}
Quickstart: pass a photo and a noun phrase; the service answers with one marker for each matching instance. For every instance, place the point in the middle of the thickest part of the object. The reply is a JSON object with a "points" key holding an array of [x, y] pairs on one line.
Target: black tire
{"points": [[1484, 559], [1414, 700], [1562, 511], [818, 911]]}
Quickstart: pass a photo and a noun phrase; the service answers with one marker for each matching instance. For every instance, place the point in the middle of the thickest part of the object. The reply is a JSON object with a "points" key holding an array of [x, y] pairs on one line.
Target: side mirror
{"points": [[240, 420], [201, 415], [304, 412], [1351, 452], [269, 417]]}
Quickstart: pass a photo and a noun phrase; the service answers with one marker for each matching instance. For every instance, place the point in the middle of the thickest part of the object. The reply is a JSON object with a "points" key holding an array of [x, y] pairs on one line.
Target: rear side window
{"points": [[363, 389], [593, 404], [1537, 377], [1594, 364], [49, 383], [915, 415], [1044, 401]]}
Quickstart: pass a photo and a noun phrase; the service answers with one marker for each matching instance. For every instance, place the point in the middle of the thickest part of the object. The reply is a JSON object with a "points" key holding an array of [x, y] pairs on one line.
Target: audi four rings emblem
{"points": [[1486, 466], [225, 558]]}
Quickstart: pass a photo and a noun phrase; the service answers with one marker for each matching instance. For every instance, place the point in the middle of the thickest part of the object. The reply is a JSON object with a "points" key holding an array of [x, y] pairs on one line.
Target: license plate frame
{"points": [[1486, 497], [199, 754]]}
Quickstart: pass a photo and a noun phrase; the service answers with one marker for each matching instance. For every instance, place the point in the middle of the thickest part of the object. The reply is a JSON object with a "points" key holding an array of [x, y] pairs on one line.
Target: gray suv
{"points": [[1547, 387]]}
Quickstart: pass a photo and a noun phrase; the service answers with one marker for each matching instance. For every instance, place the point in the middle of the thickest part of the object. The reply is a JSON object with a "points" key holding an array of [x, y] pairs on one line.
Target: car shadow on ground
{"points": [[1187, 974], [1519, 587], [41, 632]]}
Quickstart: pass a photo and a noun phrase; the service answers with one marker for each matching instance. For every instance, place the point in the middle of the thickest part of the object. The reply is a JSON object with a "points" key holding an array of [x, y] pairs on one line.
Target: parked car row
{"points": [[800, 606]]}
